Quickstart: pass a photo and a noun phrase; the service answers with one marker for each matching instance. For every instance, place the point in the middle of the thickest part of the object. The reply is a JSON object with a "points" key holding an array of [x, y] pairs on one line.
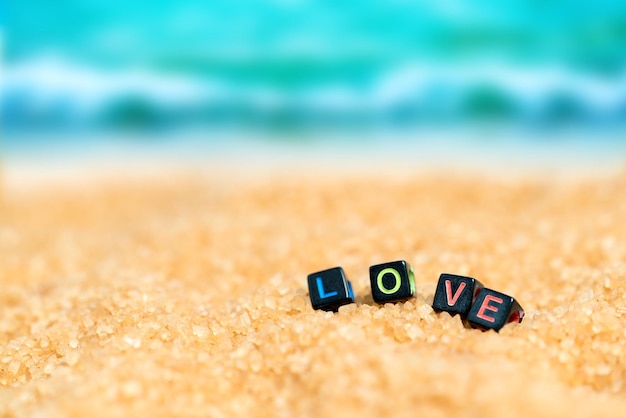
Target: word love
{"points": [[478, 306]]}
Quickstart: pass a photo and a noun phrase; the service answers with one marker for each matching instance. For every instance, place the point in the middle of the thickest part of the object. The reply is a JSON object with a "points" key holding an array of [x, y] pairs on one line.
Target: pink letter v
{"points": [[452, 301]]}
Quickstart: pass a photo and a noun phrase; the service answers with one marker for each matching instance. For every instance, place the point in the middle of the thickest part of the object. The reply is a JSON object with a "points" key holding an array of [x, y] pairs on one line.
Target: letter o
{"points": [[381, 286]]}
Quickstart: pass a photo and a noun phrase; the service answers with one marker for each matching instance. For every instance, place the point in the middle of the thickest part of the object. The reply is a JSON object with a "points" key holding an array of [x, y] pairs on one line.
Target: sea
{"points": [[169, 75]]}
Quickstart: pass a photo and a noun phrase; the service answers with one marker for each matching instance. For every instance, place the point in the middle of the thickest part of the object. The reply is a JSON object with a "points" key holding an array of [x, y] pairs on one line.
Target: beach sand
{"points": [[185, 295]]}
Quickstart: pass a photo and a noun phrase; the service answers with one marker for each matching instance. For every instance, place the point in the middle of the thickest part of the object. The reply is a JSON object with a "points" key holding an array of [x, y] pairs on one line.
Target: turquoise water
{"points": [[305, 65], [294, 41]]}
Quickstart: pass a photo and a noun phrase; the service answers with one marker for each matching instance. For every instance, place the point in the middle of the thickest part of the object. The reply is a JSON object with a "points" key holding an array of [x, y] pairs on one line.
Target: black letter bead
{"points": [[493, 310], [330, 289], [392, 282], [455, 294]]}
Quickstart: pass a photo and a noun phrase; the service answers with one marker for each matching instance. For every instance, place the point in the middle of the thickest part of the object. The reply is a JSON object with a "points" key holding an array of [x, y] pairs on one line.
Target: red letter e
{"points": [[486, 307]]}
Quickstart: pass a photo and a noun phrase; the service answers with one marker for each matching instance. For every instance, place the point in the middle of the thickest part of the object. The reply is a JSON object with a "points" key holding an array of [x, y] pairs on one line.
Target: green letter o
{"points": [[379, 281]]}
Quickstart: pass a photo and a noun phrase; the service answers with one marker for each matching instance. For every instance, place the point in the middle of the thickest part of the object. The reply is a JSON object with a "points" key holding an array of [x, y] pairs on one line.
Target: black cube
{"points": [[455, 294], [392, 282], [493, 310], [330, 289]]}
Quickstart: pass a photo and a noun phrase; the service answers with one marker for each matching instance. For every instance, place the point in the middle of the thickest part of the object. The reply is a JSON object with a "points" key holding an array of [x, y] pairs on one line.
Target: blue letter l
{"points": [[320, 289]]}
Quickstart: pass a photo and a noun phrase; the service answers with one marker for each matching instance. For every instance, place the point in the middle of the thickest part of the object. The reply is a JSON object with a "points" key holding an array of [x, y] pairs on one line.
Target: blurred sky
{"points": [[90, 67]]}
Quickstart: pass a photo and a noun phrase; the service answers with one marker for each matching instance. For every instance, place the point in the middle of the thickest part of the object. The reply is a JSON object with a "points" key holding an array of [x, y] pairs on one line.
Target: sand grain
{"points": [[189, 298]]}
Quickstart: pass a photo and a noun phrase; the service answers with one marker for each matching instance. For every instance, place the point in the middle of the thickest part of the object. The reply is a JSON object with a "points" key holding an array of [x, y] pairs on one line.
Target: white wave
{"points": [[46, 82], [530, 86], [50, 79]]}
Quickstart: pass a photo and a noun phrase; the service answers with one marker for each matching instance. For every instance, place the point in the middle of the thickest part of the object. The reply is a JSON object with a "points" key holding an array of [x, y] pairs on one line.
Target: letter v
{"points": [[452, 300]]}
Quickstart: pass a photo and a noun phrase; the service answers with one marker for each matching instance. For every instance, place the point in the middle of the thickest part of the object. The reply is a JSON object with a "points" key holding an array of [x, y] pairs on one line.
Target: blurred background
{"points": [[541, 80]]}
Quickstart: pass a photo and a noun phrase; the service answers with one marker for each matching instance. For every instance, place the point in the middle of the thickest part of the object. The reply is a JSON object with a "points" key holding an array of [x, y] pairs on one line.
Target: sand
{"points": [[186, 296]]}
